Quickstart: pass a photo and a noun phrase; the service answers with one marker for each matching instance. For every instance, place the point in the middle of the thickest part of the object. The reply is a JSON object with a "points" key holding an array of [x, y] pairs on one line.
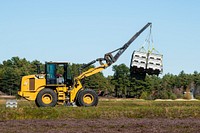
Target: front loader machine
{"points": [[56, 85]]}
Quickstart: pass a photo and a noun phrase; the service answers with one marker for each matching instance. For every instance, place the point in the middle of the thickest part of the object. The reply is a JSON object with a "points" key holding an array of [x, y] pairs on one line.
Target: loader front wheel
{"points": [[87, 98], [46, 98]]}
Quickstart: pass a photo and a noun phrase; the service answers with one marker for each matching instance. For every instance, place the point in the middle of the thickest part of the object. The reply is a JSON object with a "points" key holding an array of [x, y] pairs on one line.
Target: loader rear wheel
{"points": [[46, 98], [87, 98]]}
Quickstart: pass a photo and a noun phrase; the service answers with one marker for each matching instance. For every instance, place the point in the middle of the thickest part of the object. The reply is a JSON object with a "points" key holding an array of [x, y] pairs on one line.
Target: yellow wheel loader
{"points": [[56, 85]]}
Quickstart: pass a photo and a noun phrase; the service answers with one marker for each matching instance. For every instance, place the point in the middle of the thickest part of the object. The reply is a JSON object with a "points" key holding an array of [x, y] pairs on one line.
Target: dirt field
{"points": [[101, 126], [110, 116]]}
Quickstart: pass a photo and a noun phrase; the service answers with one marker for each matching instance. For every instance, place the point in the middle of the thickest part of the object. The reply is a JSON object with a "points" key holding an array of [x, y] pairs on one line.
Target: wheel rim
{"points": [[88, 98], [47, 98]]}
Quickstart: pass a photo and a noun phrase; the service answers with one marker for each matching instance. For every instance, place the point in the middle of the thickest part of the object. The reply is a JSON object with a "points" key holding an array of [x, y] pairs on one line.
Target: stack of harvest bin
{"points": [[146, 62], [138, 61], [154, 64]]}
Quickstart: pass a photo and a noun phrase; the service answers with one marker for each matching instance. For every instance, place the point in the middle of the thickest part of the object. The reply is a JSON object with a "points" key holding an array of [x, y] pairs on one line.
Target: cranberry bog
{"points": [[111, 115]]}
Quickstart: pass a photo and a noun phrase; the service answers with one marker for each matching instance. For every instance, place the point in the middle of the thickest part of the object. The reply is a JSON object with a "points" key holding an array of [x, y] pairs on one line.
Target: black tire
{"points": [[37, 103], [77, 101], [87, 98], [46, 98]]}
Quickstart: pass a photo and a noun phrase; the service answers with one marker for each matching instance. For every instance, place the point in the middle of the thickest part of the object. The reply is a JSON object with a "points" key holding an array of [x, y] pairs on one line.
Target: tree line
{"points": [[120, 84]]}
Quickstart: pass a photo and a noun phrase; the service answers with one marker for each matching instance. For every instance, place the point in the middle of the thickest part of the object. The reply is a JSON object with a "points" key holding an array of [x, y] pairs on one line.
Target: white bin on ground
{"points": [[11, 103]]}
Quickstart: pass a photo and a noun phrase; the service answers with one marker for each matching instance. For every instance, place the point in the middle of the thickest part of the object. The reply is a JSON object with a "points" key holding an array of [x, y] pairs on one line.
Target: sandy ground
{"points": [[101, 126]]}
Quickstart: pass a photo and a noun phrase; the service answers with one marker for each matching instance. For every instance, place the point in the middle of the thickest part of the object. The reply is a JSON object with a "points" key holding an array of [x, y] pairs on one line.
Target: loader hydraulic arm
{"points": [[105, 62], [109, 59]]}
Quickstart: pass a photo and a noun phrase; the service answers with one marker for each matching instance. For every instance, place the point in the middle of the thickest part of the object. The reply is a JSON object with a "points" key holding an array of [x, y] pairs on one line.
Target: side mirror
{"points": [[38, 69]]}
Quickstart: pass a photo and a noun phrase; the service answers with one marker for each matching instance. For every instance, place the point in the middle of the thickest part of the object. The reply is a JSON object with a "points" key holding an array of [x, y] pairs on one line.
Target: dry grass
{"points": [[106, 109], [2, 101]]}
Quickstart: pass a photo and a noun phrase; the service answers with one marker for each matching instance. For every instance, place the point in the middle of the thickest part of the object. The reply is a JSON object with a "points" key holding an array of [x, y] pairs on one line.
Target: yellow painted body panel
{"points": [[38, 84], [75, 90]]}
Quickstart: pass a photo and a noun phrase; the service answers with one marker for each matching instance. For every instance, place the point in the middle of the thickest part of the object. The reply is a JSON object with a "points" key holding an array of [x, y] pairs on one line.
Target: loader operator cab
{"points": [[58, 73]]}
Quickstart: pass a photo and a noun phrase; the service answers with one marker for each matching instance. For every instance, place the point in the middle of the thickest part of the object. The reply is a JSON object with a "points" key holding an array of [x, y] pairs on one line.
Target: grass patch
{"points": [[106, 109]]}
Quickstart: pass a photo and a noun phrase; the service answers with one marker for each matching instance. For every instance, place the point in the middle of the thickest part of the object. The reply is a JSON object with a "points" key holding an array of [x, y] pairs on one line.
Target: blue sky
{"points": [[80, 31]]}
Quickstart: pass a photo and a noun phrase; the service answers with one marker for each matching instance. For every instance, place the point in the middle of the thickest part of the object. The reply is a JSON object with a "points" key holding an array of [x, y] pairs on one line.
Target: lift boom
{"points": [[108, 57]]}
